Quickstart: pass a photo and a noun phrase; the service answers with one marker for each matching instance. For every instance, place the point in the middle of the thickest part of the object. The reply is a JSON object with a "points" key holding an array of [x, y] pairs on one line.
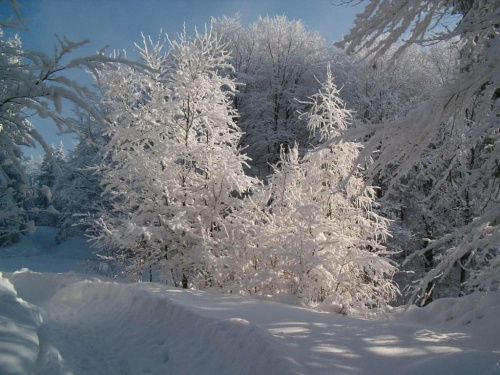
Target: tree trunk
{"points": [[428, 265], [184, 281]]}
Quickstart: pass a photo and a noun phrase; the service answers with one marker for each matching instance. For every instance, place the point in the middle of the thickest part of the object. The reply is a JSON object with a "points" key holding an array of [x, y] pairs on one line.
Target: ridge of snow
{"points": [[19, 322], [141, 331]]}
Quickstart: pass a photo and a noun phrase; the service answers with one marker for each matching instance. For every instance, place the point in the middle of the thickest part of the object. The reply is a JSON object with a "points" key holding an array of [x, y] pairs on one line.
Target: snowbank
{"points": [[477, 315], [19, 321], [135, 328], [93, 326], [459, 311]]}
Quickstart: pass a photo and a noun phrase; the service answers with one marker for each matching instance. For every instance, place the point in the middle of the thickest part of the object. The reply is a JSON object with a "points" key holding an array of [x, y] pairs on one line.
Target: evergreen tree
{"points": [[43, 208]]}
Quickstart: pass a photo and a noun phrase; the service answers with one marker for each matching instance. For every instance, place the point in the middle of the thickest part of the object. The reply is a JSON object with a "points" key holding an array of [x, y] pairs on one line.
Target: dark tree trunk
{"points": [[184, 281], [428, 265], [467, 219]]}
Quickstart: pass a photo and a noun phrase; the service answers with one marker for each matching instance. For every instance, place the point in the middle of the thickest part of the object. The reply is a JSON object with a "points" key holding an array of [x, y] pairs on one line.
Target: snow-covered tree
{"points": [[465, 109], [78, 190], [379, 92], [378, 95], [275, 61], [13, 183], [48, 176], [51, 166], [322, 242], [32, 83], [14, 190], [176, 170]]}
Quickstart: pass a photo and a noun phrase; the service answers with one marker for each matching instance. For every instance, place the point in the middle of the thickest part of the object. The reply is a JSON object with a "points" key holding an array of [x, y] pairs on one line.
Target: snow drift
{"points": [[76, 324], [19, 321], [94, 326]]}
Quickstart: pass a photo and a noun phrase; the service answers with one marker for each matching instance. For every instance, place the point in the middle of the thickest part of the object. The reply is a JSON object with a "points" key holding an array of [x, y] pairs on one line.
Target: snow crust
{"points": [[92, 325]]}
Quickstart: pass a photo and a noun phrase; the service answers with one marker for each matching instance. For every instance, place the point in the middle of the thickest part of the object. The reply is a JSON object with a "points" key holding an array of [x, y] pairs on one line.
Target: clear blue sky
{"points": [[119, 23]]}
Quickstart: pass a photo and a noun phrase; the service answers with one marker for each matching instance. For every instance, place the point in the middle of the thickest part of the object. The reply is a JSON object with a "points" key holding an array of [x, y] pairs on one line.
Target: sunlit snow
{"points": [[75, 323]]}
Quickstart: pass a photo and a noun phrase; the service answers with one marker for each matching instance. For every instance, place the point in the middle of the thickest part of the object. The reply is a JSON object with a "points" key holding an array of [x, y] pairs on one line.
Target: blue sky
{"points": [[119, 23]]}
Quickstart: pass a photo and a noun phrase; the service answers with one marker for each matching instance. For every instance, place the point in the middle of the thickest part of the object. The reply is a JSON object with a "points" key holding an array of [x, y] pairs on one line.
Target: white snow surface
{"points": [[71, 323], [39, 252]]}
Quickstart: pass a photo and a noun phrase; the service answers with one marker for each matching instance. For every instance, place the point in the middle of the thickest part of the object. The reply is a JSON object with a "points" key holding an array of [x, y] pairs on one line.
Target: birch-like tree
{"points": [[276, 61], [176, 171]]}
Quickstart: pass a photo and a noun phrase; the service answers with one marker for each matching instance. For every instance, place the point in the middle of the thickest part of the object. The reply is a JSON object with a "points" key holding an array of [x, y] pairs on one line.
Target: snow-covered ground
{"points": [[73, 323], [39, 252]]}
